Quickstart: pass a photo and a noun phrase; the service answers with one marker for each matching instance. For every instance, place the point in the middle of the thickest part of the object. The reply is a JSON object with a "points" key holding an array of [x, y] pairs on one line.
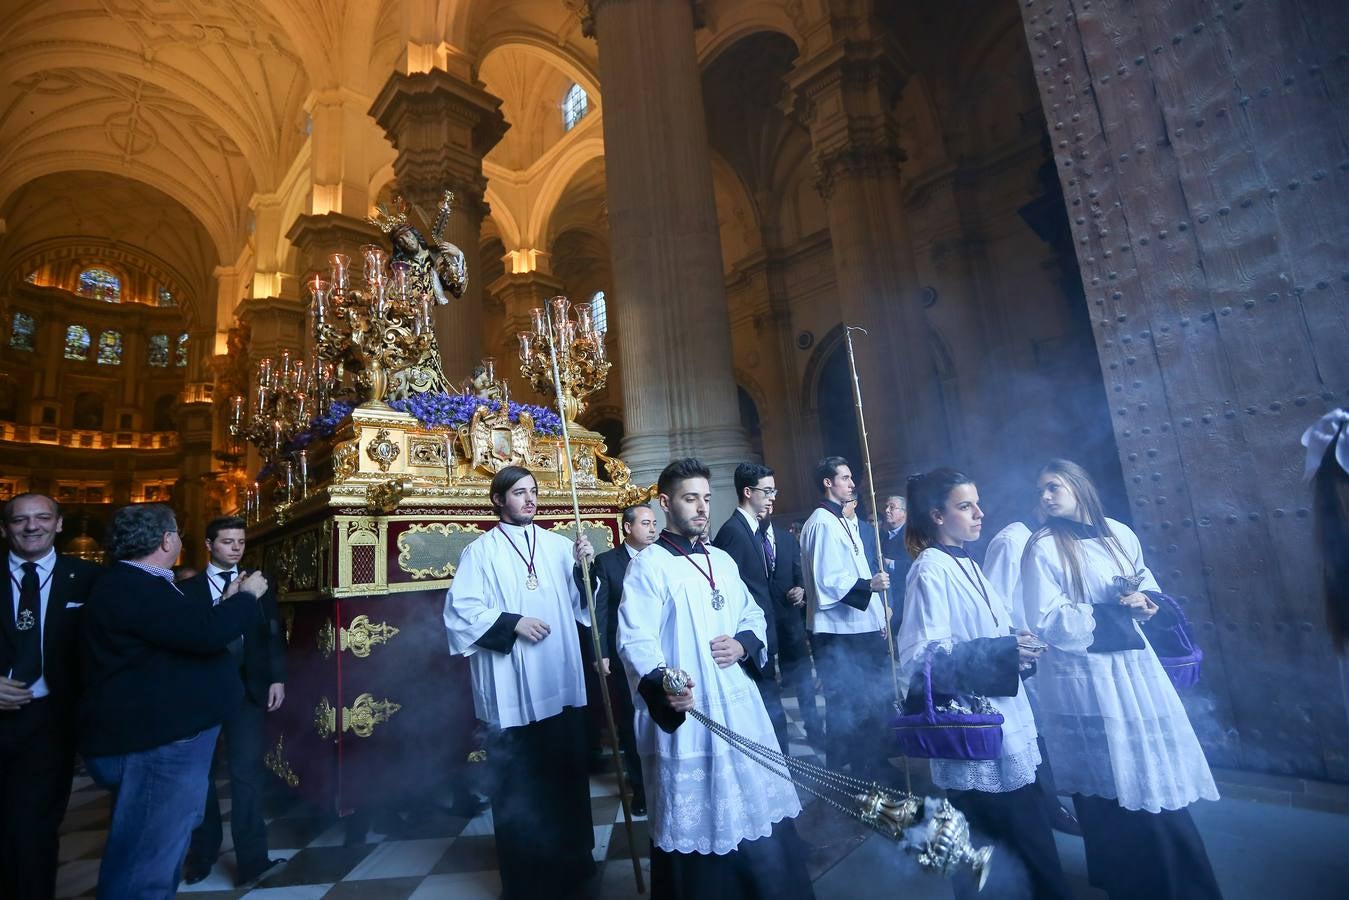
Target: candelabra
{"points": [[380, 330], [286, 399], [581, 360]]}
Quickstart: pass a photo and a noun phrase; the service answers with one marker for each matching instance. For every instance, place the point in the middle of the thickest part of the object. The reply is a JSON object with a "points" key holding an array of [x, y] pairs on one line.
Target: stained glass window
{"points": [[23, 332], [110, 348], [77, 342], [574, 106], [165, 296], [180, 358], [159, 350], [599, 312], [101, 284]]}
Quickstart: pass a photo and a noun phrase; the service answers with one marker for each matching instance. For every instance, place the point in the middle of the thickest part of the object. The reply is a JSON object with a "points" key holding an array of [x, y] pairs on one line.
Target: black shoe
{"points": [[195, 871], [256, 872], [638, 805], [1061, 820]]}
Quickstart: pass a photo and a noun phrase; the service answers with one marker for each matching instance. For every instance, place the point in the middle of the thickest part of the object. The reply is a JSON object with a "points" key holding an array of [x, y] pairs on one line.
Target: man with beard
{"points": [[514, 587], [639, 532], [721, 823], [39, 683], [846, 619]]}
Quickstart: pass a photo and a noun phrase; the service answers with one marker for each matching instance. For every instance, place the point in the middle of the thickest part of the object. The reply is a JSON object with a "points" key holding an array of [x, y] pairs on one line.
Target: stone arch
{"points": [[742, 20], [545, 47], [572, 159]]}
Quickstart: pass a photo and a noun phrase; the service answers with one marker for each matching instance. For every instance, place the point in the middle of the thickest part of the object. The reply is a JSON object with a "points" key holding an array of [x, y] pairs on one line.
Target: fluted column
{"points": [[442, 126], [670, 299], [846, 96]]}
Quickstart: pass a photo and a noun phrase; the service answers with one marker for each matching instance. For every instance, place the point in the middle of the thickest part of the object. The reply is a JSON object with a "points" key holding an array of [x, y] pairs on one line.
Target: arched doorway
{"points": [[837, 414]]}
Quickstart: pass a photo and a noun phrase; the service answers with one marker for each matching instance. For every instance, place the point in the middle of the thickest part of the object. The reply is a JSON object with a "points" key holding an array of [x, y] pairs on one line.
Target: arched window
{"points": [[100, 284], [110, 348], [180, 358], [599, 312], [164, 296], [574, 106], [159, 350], [77, 342], [23, 332]]}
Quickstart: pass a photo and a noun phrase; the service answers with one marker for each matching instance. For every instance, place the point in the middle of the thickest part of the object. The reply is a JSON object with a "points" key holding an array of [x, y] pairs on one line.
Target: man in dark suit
{"points": [[158, 681], [897, 562], [788, 592], [639, 532], [261, 663], [754, 555], [39, 684]]}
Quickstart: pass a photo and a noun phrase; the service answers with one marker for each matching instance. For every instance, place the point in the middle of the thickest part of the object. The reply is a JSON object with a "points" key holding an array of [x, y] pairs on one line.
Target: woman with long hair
{"points": [[956, 619], [1121, 741]]}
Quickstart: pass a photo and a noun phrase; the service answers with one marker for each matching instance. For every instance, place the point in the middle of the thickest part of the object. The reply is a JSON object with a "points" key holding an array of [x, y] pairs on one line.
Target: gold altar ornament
{"points": [[275, 761], [325, 719], [362, 634], [581, 359], [367, 712]]}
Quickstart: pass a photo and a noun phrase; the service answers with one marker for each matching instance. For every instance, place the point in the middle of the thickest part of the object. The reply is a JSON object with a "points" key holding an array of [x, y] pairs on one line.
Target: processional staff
{"points": [[558, 391]]}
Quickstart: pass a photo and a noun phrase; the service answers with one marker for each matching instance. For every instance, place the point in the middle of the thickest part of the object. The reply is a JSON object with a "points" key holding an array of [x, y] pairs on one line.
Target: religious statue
{"points": [[437, 269]]}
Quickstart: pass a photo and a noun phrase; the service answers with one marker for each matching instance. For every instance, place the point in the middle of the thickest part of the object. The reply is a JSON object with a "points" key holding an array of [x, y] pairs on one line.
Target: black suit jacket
{"points": [[893, 549], [791, 620], [156, 663], [262, 659], [71, 580], [608, 570], [742, 544]]}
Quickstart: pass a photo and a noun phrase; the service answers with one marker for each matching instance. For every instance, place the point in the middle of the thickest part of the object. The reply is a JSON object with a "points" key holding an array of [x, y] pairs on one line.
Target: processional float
{"points": [[374, 478]]}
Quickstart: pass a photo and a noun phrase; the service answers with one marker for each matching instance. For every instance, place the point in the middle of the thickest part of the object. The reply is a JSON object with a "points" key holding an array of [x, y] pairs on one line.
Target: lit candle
{"points": [[265, 371], [566, 336], [400, 279], [285, 370], [526, 345], [374, 262], [339, 263], [276, 434], [583, 321], [559, 306], [236, 410], [540, 321], [302, 466], [318, 289], [489, 364]]}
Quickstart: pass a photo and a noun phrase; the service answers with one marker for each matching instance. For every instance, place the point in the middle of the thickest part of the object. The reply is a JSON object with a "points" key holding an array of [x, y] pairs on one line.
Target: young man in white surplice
{"points": [[514, 587], [1115, 727], [721, 823]]}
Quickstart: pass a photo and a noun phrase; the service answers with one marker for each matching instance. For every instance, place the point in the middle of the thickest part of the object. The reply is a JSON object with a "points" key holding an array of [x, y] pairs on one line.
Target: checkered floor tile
{"points": [[430, 854]]}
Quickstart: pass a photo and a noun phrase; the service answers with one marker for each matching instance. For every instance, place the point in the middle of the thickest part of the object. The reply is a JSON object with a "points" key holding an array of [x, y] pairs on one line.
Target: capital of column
{"points": [[317, 236], [846, 96], [590, 8], [442, 127]]}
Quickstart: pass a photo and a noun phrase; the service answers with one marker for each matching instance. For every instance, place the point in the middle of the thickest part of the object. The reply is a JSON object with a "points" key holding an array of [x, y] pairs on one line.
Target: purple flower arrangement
{"points": [[455, 410]]}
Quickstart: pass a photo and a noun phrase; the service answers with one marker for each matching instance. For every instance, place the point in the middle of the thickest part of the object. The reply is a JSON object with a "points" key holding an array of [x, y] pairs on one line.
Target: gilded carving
{"points": [[275, 761], [383, 497], [325, 718], [426, 451], [494, 442], [382, 450], [367, 712], [345, 460], [432, 550], [304, 574], [361, 635], [326, 638]]}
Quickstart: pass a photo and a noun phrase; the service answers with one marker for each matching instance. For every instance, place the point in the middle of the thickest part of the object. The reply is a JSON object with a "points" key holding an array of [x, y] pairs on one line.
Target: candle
{"points": [[583, 320], [302, 466], [526, 345], [339, 263], [566, 336], [400, 279], [276, 434], [540, 321], [489, 364], [236, 410], [265, 371], [599, 348], [559, 306], [318, 289], [374, 262]]}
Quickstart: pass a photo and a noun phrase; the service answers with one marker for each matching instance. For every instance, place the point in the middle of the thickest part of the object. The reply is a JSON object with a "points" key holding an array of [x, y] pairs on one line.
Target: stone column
{"points": [[442, 126], [679, 394], [846, 97]]}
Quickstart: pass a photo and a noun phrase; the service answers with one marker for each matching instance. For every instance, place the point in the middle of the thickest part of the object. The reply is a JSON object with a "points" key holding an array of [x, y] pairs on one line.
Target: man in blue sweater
{"points": [[159, 680]]}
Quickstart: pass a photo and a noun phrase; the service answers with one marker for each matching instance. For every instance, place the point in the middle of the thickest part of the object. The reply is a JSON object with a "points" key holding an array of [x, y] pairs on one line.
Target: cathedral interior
{"points": [[1107, 231]]}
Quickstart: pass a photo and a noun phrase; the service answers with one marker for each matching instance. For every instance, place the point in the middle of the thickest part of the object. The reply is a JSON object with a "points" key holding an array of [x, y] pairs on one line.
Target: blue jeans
{"points": [[158, 798]]}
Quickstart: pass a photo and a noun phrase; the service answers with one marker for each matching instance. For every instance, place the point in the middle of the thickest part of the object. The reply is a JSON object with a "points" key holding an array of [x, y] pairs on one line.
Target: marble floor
{"points": [[1269, 837]]}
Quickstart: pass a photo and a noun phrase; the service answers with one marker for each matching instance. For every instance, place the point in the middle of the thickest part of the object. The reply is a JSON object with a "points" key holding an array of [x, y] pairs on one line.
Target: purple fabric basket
{"points": [[1179, 655], [937, 735]]}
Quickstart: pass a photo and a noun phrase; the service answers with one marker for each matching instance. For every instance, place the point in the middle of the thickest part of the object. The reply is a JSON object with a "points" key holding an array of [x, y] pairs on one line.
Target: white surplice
{"points": [[942, 606], [1113, 722], [704, 795], [832, 561], [532, 681], [1002, 566]]}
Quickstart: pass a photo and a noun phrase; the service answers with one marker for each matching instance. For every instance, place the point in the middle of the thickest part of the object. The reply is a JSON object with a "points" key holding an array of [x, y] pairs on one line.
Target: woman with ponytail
{"points": [[1121, 742], [957, 619]]}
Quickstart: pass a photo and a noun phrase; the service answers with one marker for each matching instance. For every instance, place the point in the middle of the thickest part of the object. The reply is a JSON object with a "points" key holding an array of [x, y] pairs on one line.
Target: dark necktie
{"points": [[225, 579], [769, 554], [28, 628]]}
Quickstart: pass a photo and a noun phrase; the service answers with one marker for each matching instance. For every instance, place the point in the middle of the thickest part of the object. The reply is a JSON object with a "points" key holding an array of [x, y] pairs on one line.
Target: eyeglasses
{"points": [[767, 492]]}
